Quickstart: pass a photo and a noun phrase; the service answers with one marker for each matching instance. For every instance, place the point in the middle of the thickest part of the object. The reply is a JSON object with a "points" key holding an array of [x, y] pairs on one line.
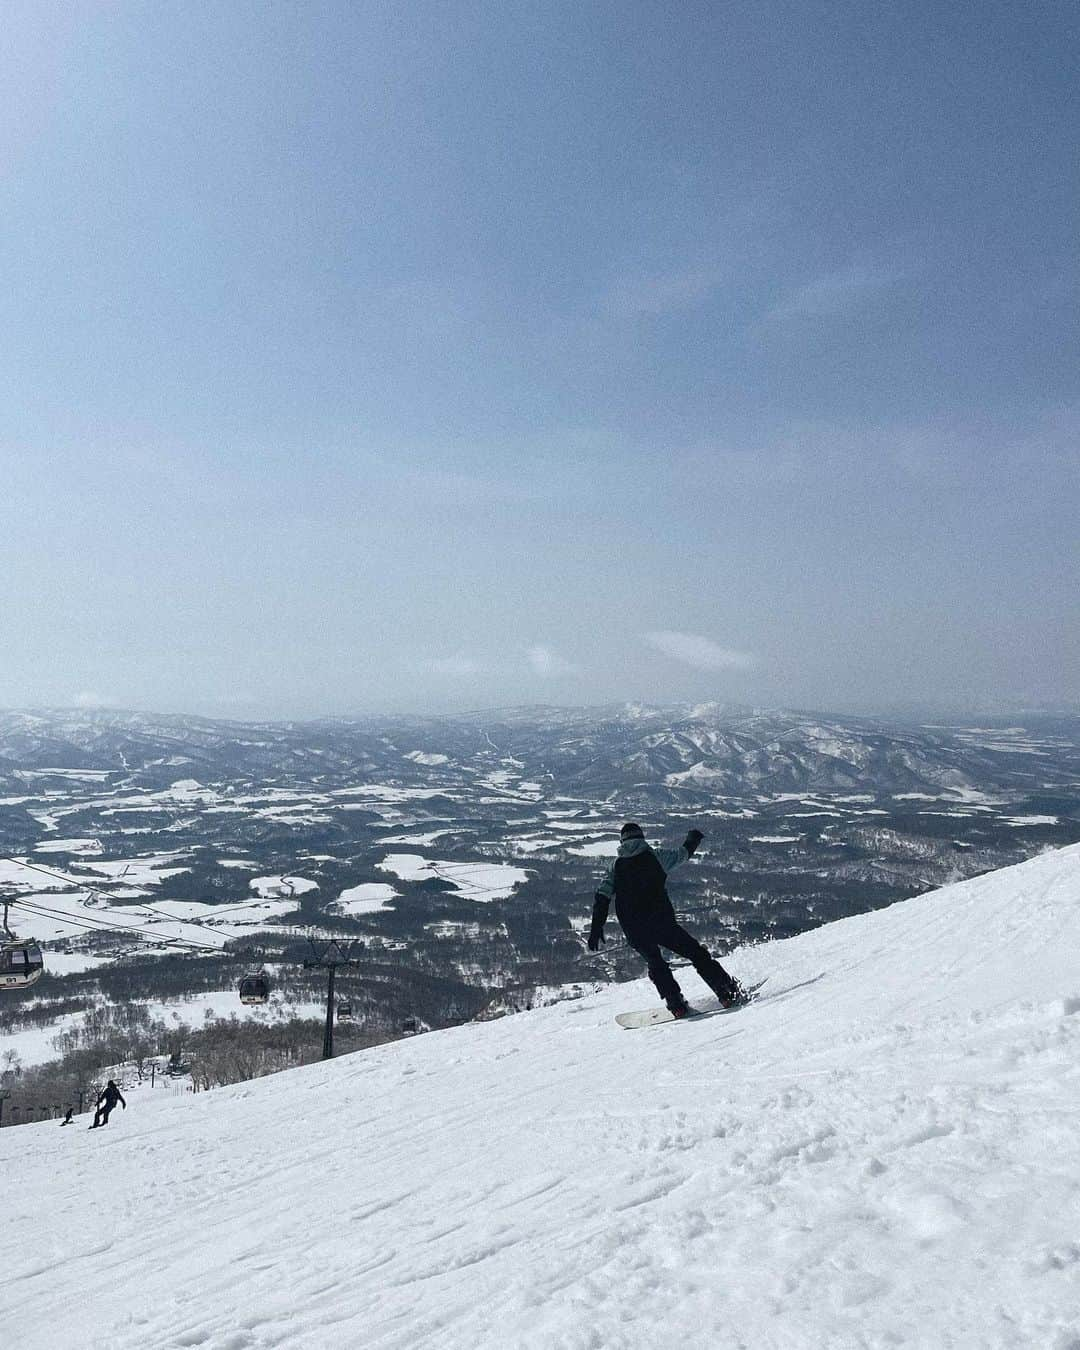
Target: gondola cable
{"points": [[91, 889], [101, 925], [254, 987]]}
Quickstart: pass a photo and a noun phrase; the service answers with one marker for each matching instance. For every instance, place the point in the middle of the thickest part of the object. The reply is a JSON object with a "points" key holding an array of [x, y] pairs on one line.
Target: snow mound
{"points": [[882, 1151]]}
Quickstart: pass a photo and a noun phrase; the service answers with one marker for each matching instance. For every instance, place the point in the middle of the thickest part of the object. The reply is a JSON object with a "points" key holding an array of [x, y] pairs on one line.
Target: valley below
{"points": [[158, 859]]}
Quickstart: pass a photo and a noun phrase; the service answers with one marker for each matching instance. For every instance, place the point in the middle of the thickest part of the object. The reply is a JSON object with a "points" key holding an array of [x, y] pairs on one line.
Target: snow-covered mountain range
{"points": [[882, 1151], [664, 753], [460, 852]]}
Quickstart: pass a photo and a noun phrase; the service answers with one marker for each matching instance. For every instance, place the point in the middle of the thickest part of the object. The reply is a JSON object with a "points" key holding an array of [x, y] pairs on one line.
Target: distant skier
{"points": [[637, 883], [69, 1117], [106, 1104]]}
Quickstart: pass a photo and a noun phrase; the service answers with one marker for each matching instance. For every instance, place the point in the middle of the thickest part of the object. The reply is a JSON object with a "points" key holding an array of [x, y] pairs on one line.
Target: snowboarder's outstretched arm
{"points": [[670, 858]]}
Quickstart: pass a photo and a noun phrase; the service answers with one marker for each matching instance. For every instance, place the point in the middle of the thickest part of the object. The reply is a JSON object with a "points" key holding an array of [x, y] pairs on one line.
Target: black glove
{"points": [[599, 918], [693, 839]]}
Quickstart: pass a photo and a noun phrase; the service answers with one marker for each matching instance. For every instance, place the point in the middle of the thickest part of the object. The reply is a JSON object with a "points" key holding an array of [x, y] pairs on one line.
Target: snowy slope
{"points": [[883, 1152]]}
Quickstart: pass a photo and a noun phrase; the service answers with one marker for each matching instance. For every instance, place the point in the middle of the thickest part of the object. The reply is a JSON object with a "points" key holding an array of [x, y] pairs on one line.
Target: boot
{"points": [[720, 982]]}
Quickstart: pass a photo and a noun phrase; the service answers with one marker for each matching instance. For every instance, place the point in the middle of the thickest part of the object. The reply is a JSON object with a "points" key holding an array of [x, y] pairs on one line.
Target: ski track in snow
{"points": [[883, 1151]]}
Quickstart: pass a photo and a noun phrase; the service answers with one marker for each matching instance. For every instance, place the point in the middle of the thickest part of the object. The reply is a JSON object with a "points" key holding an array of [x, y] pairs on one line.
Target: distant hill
{"points": [[670, 754]]}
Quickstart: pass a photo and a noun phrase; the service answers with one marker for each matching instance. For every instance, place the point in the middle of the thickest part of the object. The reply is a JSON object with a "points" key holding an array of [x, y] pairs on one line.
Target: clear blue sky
{"points": [[365, 356]]}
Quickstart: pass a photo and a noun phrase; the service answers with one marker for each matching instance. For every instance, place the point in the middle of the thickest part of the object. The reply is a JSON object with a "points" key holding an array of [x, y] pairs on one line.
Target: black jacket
{"points": [[637, 882]]}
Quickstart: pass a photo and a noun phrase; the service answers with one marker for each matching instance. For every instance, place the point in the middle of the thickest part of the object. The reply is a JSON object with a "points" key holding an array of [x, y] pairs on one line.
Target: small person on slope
{"points": [[637, 883], [106, 1104]]}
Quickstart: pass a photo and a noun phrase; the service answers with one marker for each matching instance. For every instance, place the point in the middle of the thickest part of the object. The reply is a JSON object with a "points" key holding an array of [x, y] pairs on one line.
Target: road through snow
{"points": [[884, 1151]]}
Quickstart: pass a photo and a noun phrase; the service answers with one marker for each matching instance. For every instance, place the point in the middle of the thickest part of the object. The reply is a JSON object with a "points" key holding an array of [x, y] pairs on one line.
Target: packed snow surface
{"points": [[883, 1151]]}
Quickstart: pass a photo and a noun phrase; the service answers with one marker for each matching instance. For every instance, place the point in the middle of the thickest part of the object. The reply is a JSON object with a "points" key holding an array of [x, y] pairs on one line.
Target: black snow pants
{"points": [[663, 930], [102, 1114]]}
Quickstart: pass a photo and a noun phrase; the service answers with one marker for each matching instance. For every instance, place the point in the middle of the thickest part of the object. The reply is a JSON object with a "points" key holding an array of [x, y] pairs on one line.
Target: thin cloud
{"points": [[700, 652], [836, 292], [548, 663], [661, 294]]}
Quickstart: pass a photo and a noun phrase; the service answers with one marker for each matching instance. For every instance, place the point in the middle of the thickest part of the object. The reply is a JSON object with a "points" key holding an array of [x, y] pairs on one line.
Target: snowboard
{"points": [[652, 1017]]}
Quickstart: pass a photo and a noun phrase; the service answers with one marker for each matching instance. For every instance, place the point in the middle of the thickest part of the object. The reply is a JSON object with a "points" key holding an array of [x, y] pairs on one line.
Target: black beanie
{"points": [[631, 831]]}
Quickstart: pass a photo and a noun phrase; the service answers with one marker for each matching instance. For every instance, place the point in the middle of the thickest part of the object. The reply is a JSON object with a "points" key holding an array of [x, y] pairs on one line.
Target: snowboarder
{"points": [[69, 1116], [637, 883], [106, 1104]]}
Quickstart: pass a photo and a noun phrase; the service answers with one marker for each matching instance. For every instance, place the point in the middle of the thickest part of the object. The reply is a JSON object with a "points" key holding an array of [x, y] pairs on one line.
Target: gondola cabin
{"points": [[21, 964], [344, 1012], [255, 988]]}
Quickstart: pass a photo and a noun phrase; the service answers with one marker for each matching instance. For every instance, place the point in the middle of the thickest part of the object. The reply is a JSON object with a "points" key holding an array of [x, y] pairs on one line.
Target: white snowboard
{"points": [[652, 1017]]}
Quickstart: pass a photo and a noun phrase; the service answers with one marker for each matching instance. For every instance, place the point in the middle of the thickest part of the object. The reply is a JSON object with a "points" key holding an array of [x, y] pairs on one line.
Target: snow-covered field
{"points": [[481, 881], [600, 848], [366, 898], [883, 1151], [69, 846], [163, 921], [36, 1045], [282, 887]]}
